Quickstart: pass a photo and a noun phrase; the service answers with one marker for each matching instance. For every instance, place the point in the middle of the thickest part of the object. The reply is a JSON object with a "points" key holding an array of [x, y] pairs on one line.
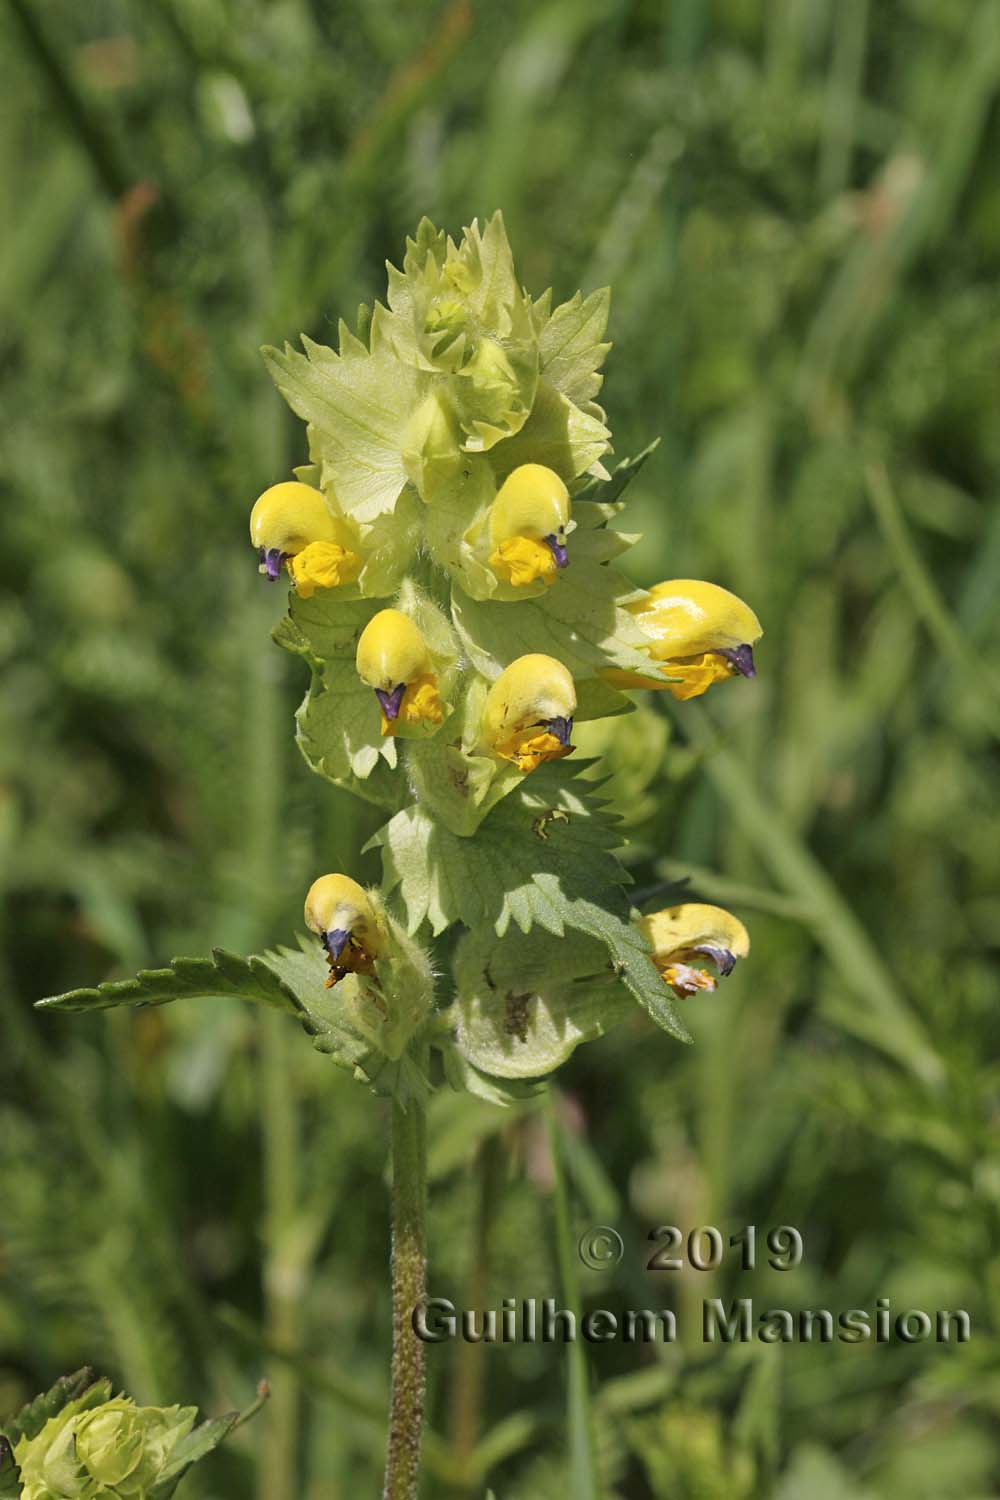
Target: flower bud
{"points": [[287, 521], [528, 714], [698, 634], [393, 659], [528, 522], [680, 934], [339, 911], [113, 1451]]}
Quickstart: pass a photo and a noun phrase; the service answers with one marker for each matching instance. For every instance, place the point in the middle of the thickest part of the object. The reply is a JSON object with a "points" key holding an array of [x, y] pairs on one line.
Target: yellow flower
{"points": [[528, 714], [528, 521], [698, 634], [681, 934], [342, 916], [393, 659], [287, 522]]}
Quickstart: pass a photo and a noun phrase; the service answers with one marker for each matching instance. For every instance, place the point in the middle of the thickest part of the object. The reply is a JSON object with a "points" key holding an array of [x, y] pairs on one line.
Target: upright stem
{"points": [[409, 1283]]}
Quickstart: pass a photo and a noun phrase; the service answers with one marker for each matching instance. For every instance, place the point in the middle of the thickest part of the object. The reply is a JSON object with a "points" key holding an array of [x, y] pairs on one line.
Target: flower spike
{"points": [[528, 522], [679, 935], [291, 523], [393, 659], [528, 714], [342, 916], [698, 634]]}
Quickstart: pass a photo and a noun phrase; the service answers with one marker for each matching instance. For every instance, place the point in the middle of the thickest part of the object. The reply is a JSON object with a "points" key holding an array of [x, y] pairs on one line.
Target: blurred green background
{"points": [[798, 207]]}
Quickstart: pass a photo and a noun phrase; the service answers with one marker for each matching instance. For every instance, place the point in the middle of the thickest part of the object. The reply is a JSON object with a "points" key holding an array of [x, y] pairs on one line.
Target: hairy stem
{"points": [[409, 1278]]}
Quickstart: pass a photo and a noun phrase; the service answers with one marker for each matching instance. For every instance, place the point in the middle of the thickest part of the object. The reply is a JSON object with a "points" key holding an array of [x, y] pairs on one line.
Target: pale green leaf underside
{"points": [[579, 620], [545, 845], [525, 1002], [571, 348], [357, 405], [338, 722]]}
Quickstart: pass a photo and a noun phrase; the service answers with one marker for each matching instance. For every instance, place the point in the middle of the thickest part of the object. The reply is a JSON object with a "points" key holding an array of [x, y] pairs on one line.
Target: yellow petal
{"points": [[323, 565], [532, 502], [341, 913], [522, 559], [686, 617], [532, 690], [679, 936], [287, 517], [391, 650]]}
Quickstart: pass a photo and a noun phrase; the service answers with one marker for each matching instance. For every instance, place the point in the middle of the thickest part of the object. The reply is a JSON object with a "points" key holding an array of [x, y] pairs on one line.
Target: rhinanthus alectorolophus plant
{"points": [[450, 552]]}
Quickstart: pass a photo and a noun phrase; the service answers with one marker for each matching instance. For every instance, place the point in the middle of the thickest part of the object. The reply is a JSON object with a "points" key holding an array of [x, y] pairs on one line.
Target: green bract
{"points": [[77, 1442]]}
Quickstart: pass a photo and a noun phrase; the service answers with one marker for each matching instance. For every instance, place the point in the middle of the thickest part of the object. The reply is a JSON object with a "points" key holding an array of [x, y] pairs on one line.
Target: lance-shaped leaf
{"points": [[291, 979], [224, 974], [609, 491]]}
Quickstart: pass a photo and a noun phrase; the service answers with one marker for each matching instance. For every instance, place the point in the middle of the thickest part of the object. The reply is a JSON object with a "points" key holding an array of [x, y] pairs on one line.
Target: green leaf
{"points": [[610, 490], [358, 403], [580, 620], [558, 434], [467, 1079], [29, 1421], [293, 979], [189, 1449], [527, 1001], [10, 1478], [570, 347], [631, 962], [545, 845], [338, 725], [224, 974]]}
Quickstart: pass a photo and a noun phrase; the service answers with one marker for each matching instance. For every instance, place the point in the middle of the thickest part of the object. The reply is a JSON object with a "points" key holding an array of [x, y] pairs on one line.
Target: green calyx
{"points": [[98, 1447]]}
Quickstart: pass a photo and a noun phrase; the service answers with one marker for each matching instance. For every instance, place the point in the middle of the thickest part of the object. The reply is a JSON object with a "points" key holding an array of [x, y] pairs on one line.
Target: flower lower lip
{"points": [[271, 559], [558, 550], [390, 702], [741, 658]]}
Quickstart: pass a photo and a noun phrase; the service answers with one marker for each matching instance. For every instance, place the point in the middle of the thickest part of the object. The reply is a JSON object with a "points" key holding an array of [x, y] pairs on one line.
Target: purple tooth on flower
{"points": [[271, 559], [334, 941], [561, 727], [723, 960], [740, 658], [390, 702], [557, 546]]}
